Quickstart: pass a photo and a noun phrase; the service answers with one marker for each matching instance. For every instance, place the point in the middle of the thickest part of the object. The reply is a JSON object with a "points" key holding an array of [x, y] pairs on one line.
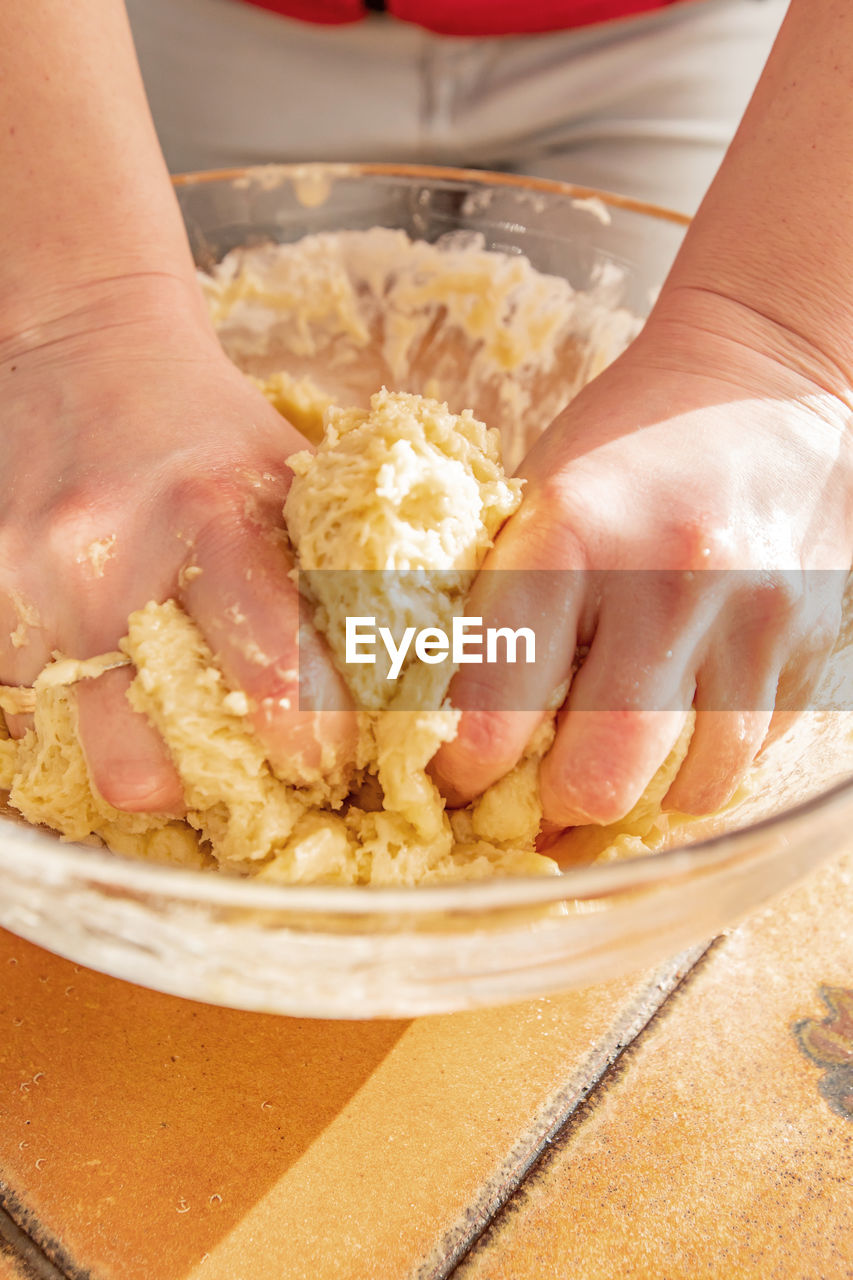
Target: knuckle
{"points": [[771, 601], [73, 523], [562, 526], [238, 497], [672, 600], [79, 535], [203, 497], [698, 541]]}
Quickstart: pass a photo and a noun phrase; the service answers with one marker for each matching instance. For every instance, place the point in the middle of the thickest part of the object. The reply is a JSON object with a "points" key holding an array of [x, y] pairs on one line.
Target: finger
{"points": [[487, 745], [723, 746], [802, 686], [755, 667], [627, 706], [533, 615], [248, 610], [533, 619], [735, 695], [602, 761], [128, 762], [18, 724]]}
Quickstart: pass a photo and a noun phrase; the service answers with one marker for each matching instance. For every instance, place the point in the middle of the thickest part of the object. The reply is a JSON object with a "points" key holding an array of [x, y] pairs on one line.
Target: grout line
{"points": [[24, 1251], [576, 1114], [559, 1116]]}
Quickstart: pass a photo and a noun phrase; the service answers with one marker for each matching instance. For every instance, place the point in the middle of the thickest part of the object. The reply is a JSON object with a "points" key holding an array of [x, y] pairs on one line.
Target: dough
{"points": [[346, 313], [406, 487]]}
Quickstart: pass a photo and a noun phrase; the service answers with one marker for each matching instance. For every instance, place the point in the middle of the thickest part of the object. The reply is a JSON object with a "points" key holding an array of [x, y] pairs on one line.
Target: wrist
{"points": [[114, 309], [697, 329]]}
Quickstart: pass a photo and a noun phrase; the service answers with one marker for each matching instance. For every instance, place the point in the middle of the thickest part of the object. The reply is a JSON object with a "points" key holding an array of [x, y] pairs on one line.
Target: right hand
{"points": [[693, 511], [134, 451]]}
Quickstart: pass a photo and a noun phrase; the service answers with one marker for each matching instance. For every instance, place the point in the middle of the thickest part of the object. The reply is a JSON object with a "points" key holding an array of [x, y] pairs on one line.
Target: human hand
{"points": [[140, 465], [716, 452]]}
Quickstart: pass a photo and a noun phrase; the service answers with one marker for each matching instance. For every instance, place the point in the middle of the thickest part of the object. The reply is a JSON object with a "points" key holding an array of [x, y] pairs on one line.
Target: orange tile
{"points": [[138, 1127], [714, 1149], [149, 1138]]}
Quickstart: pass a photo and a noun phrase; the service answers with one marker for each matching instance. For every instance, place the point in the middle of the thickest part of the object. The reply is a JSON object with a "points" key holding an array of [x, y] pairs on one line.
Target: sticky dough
{"points": [[399, 481]]}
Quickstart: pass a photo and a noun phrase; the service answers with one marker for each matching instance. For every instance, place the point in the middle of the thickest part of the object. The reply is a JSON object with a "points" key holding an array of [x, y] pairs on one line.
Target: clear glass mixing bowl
{"points": [[357, 952]]}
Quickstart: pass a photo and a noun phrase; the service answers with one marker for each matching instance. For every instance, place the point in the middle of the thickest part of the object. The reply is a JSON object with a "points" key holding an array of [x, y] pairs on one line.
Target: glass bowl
{"points": [[359, 952]]}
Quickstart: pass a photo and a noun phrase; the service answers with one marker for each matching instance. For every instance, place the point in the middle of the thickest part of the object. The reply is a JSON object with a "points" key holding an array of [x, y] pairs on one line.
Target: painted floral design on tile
{"points": [[829, 1044]]}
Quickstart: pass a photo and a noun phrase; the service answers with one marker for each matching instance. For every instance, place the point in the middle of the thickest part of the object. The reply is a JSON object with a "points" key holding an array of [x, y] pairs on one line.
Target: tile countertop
{"points": [[694, 1121]]}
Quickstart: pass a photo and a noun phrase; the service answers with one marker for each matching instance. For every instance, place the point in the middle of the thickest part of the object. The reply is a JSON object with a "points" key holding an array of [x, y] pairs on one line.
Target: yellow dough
{"points": [[379, 335], [405, 485]]}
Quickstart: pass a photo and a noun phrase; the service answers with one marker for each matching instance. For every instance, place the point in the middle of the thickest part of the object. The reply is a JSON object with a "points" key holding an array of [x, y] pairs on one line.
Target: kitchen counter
{"points": [[692, 1121]]}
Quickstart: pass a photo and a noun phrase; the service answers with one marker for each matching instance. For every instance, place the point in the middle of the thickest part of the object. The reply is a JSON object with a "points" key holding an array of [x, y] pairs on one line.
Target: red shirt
{"points": [[471, 17]]}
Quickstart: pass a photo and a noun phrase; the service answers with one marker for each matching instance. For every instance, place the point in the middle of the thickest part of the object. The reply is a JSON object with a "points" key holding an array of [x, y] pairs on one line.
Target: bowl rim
{"points": [[604, 880], [664, 868], [263, 173]]}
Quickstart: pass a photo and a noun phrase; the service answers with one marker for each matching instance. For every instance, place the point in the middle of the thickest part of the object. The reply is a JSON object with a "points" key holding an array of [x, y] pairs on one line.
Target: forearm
{"points": [[775, 232], [85, 196]]}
